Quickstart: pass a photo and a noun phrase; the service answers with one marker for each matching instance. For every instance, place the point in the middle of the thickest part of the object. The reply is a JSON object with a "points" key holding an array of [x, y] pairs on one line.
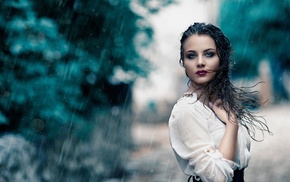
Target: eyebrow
{"points": [[209, 49]]}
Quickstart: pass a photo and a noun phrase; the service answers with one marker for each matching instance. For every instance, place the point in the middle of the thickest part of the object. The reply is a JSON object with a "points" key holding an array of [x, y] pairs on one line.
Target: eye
{"points": [[191, 55], [209, 54]]}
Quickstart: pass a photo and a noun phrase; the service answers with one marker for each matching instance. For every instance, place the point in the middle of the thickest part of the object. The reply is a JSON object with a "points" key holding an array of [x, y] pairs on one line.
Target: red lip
{"points": [[201, 72]]}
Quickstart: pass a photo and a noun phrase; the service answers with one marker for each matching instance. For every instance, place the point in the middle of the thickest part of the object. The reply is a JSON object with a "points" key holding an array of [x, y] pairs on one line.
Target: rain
{"points": [[87, 86]]}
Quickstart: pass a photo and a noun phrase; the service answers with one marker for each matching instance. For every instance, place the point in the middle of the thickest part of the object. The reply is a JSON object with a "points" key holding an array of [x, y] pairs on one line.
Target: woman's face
{"points": [[200, 59]]}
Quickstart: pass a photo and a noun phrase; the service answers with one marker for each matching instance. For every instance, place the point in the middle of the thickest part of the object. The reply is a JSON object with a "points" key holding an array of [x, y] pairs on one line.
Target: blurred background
{"points": [[87, 86]]}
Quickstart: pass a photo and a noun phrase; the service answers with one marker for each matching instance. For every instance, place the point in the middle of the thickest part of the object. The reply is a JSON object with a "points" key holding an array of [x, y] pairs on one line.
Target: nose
{"points": [[200, 62]]}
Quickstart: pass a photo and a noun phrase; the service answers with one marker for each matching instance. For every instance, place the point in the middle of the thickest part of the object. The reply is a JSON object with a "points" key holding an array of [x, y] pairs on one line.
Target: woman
{"points": [[209, 126]]}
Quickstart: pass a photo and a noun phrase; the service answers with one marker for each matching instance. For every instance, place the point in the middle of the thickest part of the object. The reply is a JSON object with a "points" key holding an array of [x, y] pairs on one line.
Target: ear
{"points": [[181, 62]]}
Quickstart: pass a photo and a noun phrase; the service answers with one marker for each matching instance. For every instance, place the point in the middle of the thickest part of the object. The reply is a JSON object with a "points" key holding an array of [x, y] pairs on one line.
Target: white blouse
{"points": [[195, 134]]}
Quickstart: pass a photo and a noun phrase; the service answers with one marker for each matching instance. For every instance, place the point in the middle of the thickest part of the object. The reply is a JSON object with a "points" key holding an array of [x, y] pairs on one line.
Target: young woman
{"points": [[209, 126]]}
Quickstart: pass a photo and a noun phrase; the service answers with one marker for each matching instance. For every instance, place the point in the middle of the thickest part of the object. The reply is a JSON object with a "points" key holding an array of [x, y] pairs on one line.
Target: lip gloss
{"points": [[201, 73]]}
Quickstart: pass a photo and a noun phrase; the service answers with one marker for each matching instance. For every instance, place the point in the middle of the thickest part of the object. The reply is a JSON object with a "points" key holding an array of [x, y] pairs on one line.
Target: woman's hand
{"points": [[228, 144], [219, 110]]}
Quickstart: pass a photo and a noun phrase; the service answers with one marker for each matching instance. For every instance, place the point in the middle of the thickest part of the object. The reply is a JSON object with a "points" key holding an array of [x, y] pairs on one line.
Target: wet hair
{"points": [[238, 100]]}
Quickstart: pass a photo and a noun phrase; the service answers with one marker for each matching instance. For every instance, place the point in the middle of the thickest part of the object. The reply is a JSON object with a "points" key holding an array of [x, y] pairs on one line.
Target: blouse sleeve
{"points": [[191, 141]]}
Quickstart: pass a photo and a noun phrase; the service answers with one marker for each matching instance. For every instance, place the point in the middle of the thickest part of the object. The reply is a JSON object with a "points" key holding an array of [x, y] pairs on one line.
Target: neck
{"points": [[199, 92]]}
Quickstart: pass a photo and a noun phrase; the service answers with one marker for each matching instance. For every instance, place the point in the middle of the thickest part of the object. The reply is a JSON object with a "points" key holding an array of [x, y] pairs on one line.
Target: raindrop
{"points": [[37, 125], [91, 78]]}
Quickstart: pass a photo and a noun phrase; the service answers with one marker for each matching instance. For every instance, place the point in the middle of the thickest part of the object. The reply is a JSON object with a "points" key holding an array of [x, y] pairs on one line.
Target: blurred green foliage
{"points": [[59, 59], [258, 30]]}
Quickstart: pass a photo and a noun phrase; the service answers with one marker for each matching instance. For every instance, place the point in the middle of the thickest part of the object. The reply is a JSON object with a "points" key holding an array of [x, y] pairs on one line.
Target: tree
{"points": [[58, 58], [67, 68], [258, 30]]}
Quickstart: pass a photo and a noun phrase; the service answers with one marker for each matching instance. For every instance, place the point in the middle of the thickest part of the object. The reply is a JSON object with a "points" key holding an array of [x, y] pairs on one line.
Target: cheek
{"points": [[188, 70], [185, 66], [216, 64]]}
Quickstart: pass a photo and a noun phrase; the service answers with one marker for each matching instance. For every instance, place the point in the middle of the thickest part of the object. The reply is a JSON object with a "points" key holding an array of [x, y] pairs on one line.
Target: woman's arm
{"points": [[228, 143], [191, 140]]}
